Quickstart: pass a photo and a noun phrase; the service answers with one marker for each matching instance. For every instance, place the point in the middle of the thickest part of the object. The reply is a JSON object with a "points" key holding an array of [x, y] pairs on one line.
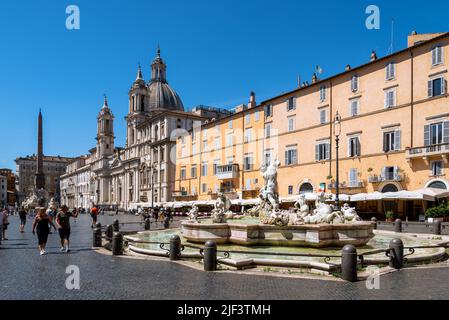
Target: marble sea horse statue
{"points": [[324, 213]]}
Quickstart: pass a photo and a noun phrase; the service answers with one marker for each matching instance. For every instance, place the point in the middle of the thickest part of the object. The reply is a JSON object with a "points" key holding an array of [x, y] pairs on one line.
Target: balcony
{"points": [[425, 153], [389, 177], [344, 185], [227, 172]]}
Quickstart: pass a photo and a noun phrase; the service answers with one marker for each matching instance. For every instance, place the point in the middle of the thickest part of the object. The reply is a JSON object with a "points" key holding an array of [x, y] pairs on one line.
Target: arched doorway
{"points": [[306, 188], [390, 205]]}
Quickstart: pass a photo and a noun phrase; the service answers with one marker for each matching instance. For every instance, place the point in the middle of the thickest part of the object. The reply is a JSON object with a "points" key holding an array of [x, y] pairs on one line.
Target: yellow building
{"points": [[394, 133]]}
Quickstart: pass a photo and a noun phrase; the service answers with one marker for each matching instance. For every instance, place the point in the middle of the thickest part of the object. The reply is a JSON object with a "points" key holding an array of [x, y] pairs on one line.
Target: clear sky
{"points": [[216, 52]]}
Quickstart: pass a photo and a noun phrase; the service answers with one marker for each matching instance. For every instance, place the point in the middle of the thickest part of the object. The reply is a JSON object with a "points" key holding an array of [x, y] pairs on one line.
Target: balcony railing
{"points": [[388, 177], [437, 149], [344, 185], [230, 171]]}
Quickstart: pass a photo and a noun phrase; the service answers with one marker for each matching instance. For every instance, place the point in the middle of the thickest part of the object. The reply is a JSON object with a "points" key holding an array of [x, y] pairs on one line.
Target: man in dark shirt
{"points": [[63, 223], [23, 219]]}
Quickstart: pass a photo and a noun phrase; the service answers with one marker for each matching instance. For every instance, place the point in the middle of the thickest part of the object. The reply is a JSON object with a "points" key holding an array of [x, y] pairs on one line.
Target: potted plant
{"points": [[390, 216], [440, 213]]}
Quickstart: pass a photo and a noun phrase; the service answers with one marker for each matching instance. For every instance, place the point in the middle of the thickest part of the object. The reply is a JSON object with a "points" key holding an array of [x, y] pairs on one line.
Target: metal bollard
{"points": [[398, 226], [437, 227], [109, 232], [349, 263], [374, 221], [175, 248], [116, 226], [117, 244], [396, 254], [167, 222], [147, 224], [210, 256], [97, 236]]}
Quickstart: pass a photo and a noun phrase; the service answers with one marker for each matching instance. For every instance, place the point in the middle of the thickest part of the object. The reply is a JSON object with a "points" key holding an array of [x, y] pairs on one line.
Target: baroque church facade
{"points": [[143, 172]]}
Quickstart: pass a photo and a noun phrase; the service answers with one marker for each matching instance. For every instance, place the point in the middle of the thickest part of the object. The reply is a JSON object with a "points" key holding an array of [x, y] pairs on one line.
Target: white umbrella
{"points": [[407, 195], [433, 192], [367, 197]]}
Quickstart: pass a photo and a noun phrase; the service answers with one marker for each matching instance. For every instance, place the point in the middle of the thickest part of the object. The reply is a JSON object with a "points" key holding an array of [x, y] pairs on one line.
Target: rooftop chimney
{"points": [[373, 56], [252, 100]]}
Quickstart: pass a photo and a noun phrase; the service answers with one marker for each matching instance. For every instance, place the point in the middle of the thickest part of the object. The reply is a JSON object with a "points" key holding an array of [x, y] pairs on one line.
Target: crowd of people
{"points": [[43, 220]]}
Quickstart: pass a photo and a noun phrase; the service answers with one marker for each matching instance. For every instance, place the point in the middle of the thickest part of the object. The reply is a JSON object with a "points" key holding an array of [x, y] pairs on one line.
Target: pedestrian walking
{"points": [[63, 223], [5, 223], [94, 215], [41, 225], [23, 219]]}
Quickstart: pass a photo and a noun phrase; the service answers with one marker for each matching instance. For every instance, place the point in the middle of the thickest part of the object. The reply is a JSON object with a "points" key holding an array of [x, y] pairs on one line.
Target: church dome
{"points": [[161, 95]]}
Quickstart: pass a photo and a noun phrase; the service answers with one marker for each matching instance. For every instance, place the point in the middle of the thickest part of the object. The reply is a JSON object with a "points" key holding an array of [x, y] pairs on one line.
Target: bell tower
{"points": [[105, 134]]}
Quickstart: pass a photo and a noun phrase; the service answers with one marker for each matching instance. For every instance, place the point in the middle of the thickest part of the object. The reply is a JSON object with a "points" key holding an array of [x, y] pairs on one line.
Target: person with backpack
{"points": [[63, 223]]}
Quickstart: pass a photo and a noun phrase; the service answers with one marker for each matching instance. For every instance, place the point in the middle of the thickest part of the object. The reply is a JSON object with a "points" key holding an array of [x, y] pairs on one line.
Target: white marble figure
{"points": [[350, 214], [324, 213], [269, 191], [221, 211], [193, 214]]}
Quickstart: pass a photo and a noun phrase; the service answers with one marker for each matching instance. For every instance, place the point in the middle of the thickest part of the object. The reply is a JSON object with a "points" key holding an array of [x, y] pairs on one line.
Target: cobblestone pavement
{"points": [[26, 275]]}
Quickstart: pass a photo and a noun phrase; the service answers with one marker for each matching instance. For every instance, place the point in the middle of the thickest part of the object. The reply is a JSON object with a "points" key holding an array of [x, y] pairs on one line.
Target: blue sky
{"points": [[216, 51]]}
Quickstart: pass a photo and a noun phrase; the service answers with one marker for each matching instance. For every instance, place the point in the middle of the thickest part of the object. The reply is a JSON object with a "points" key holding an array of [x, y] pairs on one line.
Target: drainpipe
{"points": [[411, 99], [330, 127]]}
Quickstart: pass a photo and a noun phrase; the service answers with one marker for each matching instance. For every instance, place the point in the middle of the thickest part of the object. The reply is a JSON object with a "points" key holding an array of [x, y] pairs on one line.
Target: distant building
{"points": [[11, 185], [54, 167], [3, 191]]}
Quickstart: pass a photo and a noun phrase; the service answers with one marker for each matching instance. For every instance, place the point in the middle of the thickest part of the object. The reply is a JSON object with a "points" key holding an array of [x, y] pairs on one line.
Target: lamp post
{"points": [[337, 132]]}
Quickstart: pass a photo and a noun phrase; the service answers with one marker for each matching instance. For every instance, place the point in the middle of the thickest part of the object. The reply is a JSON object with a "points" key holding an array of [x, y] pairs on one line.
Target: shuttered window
{"points": [[354, 147], [322, 151], [391, 71], [437, 55], [354, 107], [436, 87], [390, 98], [355, 83], [392, 141], [291, 157]]}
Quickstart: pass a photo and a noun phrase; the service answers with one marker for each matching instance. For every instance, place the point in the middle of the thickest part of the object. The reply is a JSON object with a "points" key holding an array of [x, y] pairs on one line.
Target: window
{"points": [[230, 160], [437, 168], [390, 173], [248, 184], [268, 130], [230, 124], [355, 83], [193, 148], [391, 71], [354, 107], [247, 118], [203, 188], [322, 151], [205, 145], [193, 172], [268, 111], [248, 135], [353, 178], [217, 143], [230, 140], [323, 116], [392, 141], [290, 190], [354, 147], [291, 124], [390, 98], [183, 173], [205, 134], [436, 133], [323, 93], [248, 163], [436, 87], [216, 164], [291, 157], [267, 157], [291, 104], [437, 56], [204, 169], [257, 116]]}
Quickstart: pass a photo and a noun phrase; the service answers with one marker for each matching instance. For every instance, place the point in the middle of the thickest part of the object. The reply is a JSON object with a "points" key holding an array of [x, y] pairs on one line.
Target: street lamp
{"points": [[337, 132]]}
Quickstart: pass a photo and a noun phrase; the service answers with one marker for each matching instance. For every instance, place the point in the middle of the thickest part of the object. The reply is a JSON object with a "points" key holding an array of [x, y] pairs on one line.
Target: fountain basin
{"points": [[318, 236]]}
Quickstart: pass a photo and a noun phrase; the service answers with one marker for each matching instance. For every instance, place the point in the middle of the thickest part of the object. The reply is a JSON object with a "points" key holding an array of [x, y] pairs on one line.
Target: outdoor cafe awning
{"points": [[407, 195]]}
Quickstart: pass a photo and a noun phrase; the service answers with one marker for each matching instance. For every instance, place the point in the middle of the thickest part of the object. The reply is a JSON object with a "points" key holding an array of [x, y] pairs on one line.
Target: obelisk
{"points": [[40, 176]]}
